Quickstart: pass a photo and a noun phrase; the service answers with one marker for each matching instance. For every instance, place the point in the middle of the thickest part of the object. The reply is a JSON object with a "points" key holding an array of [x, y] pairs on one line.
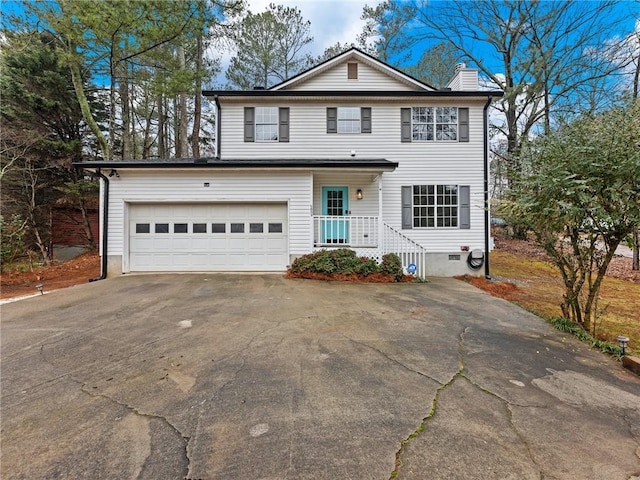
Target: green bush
{"points": [[345, 261], [392, 265]]}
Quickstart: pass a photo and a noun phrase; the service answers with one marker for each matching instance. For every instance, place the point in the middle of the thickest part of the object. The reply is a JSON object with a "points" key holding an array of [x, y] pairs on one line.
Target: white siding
{"points": [[419, 163], [149, 186], [368, 206], [335, 78], [465, 79]]}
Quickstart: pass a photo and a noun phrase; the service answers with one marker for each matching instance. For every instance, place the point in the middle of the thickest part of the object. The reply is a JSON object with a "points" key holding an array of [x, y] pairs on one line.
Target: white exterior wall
{"points": [[368, 206], [465, 79], [187, 186], [335, 78], [419, 163]]}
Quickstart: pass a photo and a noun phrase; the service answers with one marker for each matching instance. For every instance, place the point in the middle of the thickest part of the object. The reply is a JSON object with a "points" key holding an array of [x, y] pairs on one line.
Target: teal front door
{"points": [[335, 203]]}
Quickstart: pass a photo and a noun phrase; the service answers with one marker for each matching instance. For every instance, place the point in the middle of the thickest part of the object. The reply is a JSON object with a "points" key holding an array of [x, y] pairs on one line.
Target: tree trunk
{"points": [[182, 145], [197, 113], [112, 107], [126, 113], [162, 149], [76, 77], [86, 224], [635, 263]]}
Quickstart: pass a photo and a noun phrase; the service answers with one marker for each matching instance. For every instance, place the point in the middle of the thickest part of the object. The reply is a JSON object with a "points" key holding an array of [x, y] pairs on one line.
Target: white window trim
{"points": [[434, 124], [350, 120], [275, 123], [435, 207]]}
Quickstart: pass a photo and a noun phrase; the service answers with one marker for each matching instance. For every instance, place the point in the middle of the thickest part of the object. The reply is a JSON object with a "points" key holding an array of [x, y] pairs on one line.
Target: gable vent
{"points": [[352, 71]]}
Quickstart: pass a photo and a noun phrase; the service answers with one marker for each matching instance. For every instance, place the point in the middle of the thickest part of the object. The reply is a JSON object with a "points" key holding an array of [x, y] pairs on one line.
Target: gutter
{"points": [[409, 94], [218, 126], [105, 221], [485, 116]]}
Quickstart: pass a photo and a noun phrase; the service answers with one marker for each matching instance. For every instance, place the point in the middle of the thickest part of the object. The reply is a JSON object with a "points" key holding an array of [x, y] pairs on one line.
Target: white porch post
{"points": [[380, 228]]}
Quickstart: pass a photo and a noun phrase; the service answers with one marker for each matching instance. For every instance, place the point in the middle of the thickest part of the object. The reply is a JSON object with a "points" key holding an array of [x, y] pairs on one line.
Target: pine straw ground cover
{"points": [[522, 274]]}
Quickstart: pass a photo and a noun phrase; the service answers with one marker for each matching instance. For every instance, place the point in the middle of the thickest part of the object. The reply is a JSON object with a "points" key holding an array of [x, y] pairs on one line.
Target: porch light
{"points": [[623, 342], [359, 194], [114, 172], [40, 288]]}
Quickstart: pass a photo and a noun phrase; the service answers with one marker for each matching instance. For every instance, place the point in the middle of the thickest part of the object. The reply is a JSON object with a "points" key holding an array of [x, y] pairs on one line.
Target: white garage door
{"points": [[208, 237]]}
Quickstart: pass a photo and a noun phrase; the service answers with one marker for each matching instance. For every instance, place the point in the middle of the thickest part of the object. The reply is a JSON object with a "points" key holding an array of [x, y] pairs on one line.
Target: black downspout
{"points": [[487, 275], [218, 126], [105, 230]]}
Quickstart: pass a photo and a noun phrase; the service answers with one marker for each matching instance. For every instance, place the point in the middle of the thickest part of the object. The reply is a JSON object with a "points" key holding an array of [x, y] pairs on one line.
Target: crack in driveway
{"points": [[434, 405], [185, 439]]}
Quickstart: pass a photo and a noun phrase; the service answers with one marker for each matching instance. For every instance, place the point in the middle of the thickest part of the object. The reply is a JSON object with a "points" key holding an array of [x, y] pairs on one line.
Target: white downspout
{"points": [[381, 246]]}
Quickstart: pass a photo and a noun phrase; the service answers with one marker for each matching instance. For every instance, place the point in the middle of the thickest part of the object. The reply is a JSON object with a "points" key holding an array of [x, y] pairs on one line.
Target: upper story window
{"points": [[434, 124], [266, 124], [349, 120]]}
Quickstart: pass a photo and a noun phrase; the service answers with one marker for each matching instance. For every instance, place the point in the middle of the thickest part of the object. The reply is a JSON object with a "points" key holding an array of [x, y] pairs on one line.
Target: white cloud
{"points": [[331, 20]]}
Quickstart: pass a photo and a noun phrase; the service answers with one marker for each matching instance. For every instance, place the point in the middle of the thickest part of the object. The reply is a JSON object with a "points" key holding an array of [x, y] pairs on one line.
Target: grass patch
{"points": [[539, 288]]}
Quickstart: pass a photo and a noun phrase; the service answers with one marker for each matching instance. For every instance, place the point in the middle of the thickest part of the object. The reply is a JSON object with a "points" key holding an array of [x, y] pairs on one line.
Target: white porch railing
{"points": [[408, 250], [347, 231], [368, 238]]}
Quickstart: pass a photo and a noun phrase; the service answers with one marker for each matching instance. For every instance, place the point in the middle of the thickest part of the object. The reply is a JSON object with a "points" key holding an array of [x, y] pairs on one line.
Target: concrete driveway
{"points": [[259, 377]]}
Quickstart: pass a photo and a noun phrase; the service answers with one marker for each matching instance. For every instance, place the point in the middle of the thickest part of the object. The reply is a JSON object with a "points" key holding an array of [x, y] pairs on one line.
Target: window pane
{"points": [[237, 228], [199, 228], [437, 206], [142, 228], [218, 228], [267, 133], [422, 123], [162, 228], [256, 227], [275, 228], [348, 119], [266, 124], [179, 228]]}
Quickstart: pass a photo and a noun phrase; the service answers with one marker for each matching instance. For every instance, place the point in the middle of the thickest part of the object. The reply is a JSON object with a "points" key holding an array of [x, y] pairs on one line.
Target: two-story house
{"points": [[351, 153]]}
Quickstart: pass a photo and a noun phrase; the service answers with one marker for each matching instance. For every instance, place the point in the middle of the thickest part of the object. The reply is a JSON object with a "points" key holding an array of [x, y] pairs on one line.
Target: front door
{"points": [[335, 203]]}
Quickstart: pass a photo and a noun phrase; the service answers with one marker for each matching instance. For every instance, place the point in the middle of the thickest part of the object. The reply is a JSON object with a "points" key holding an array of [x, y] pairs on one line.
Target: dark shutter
{"points": [[332, 120], [407, 207], [405, 124], [249, 124], [463, 124], [365, 119], [464, 200], [283, 125]]}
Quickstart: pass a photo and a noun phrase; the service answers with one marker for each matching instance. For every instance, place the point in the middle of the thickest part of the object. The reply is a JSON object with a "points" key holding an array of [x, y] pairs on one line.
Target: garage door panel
{"points": [[193, 245]]}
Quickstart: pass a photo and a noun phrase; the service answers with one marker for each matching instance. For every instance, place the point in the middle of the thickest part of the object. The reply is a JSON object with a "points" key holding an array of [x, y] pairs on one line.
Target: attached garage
{"points": [[197, 237]]}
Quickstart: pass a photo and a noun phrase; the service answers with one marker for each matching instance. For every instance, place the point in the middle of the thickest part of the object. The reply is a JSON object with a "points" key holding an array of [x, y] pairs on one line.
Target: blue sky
{"points": [[339, 20]]}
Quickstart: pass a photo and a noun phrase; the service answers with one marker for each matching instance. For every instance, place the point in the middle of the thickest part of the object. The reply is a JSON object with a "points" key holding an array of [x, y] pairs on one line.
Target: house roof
{"points": [[351, 54], [216, 163], [419, 89]]}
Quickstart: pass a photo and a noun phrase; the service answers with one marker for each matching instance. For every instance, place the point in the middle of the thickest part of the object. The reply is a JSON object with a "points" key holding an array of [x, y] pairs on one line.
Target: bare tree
{"points": [[537, 52]]}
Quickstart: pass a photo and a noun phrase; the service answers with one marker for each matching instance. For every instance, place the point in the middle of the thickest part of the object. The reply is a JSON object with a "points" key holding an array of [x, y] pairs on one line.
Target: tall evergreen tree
{"points": [[269, 47]]}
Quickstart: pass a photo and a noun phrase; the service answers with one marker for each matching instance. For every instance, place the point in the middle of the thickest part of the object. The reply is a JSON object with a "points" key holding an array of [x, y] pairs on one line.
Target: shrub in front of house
{"points": [[344, 264]]}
